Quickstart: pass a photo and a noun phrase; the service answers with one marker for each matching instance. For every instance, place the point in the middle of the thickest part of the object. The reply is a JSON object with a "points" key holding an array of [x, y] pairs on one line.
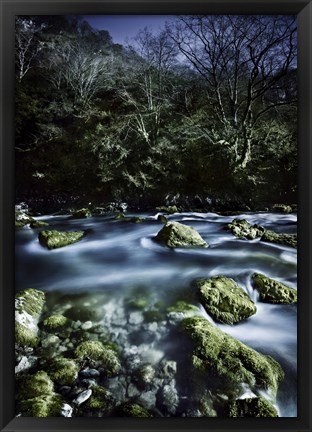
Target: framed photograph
{"points": [[155, 244]]}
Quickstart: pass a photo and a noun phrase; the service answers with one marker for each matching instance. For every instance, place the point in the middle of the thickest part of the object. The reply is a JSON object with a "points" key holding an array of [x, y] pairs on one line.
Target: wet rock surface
{"points": [[175, 234]]}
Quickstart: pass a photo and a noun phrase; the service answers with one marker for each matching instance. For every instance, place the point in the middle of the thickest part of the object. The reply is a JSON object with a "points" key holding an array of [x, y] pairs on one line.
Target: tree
{"points": [[242, 61]]}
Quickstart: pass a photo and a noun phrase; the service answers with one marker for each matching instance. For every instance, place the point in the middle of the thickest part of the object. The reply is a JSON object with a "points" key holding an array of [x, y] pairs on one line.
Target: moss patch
{"points": [[63, 370], [81, 214], [101, 399], [250, 407], [42, 406], [221, 355], [25, 336], [224, 300], [96, 351], [31, 386], [56, 239], [272, 291], [129, 409], [30, 301], [54, 322]]}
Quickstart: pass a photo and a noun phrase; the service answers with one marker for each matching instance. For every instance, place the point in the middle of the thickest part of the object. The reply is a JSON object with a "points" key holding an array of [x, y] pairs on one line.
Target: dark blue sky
{"points": [[123, 27]]}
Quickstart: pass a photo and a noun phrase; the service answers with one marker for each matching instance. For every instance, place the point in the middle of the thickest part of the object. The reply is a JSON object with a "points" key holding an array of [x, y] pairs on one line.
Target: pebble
{"points": [[87, 325], [26, 363], [89, 373], [66, 410], [82, 397], [136, 318]]}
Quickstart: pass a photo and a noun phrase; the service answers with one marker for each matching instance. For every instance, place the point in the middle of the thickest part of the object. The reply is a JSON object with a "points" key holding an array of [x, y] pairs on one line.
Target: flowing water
{"points": [[116, 258]]}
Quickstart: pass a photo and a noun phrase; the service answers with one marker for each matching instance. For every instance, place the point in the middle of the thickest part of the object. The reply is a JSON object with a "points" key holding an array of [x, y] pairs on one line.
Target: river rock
{"points": [[29, 305], [57, 239], [81, 214], [42, 406], [129, 409], [272, 291], [242, 229], [249, 407], [66, 410], [38, 224], [101, 400], [26, 363], [224, 300], [282, 208], [89, 373], [54, 323], [168, 399], [170, 209], [82, 397], [62, 370], [222, 357], [175, 234], [95, 351]]}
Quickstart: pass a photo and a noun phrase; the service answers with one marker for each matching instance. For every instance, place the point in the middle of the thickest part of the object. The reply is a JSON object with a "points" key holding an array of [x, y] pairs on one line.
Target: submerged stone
{"points": [[250, 407], [224, 300], [56, 239], [175, 234], [96, 351], [38, 224], [63, 370], [272, 291], [226, 359]]}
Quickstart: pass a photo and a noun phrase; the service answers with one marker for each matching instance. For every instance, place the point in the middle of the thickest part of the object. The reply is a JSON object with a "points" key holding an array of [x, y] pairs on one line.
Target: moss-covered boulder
{"points": [[175, 234], [284, 239], [180, 310], [95, 351], [57, 239], [55, 323], [22, 218], [250, 407], [272, 291], [62, 370], [42, 406], [224, 300], [84, 313], [169, 209], [82, 213], [226, 361], [282, 208], [129, 409], [29, 305], [31, 386], [242, 229], [120, 216], [38, 224]]}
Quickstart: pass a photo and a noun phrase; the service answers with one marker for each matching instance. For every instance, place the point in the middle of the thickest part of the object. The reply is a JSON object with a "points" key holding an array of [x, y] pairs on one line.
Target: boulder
{"points": [[282, 208], [175, 234], [55, 323], [38, 224], [29, 305], [56, 239], [242, 229], [272, 291], [105, 355], [224, 300], [81, 214], [224, 362], [249, 407], [129, 409], [62, 370], [170, 209]]}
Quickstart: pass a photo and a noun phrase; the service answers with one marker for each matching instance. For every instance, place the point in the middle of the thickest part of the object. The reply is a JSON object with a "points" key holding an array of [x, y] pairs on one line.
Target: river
{"points": [[117, 258]]}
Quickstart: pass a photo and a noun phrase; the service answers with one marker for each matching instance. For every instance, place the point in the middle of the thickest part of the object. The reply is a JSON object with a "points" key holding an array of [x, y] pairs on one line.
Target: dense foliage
{"points": [[205, 107]]}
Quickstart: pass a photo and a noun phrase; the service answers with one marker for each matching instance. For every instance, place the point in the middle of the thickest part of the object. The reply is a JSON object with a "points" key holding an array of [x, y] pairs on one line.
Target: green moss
{"points": [[96, 351], [137, 303], [144, 376], [81, 214], [84, 313], [42, 406], [54, 322], [250, 407], [169, 209], [129, 409], [63, 370], [282, 208], [162, 218], [31, 386], [31, 301], [182, 307], [221, 355], [175, 234], [101, 399], [56, 239], [38, 224], [224, 300], [120, 216], [242, 229], [25, 336], [284, 239], [272, 291]]}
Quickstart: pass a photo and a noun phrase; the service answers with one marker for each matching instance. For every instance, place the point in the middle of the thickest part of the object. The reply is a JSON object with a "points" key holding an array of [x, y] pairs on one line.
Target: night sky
{"points": [[123, 28]]}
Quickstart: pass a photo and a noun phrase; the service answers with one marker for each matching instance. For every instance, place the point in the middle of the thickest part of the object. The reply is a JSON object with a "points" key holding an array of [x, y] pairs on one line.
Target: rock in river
{"points": [[224, 300], [272, 291], [175, 234], [56, 239]]}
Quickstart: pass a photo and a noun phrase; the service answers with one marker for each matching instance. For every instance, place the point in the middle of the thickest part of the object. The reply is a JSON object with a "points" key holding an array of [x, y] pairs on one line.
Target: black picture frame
{"points": [[8, 10]]}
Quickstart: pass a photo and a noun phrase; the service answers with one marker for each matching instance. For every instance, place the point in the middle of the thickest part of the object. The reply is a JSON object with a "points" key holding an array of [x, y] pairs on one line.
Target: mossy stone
{"points": [[182, 307], [57, 239], [129, 409], [81, 213], [242, 229], [136, 303], [42, 406], [25, 336], [272, 291], [120, 216], [218, 354], [30, 301], [62, 370], [250, 407], [153, 315], [54, 323], [282, 208], [31, 386], [83, 313], [169, 209], [38, 224], [224, 300], [284, 239], [101, 399], [162, 218], [96, 351], [175, 234], [144, 376]]}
